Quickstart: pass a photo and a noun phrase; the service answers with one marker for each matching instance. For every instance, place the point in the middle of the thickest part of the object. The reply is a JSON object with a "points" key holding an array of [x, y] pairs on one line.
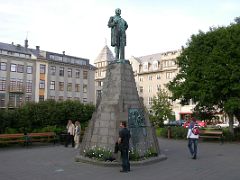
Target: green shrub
{"points": [[134, 155], [175, 132]]}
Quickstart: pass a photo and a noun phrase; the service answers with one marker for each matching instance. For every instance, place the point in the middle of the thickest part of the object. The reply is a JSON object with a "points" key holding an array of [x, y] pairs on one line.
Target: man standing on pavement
{"points": [[193, 136], [123, 141]]}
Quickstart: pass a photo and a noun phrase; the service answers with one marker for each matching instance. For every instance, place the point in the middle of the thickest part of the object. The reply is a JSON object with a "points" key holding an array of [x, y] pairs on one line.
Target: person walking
{"points": [[123, 142], [77, 134], [70, 133], [193, 136]]}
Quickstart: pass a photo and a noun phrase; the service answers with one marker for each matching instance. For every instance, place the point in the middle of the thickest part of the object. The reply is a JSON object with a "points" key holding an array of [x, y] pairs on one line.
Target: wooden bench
{"points": [[27, 139], [12, 138], [41, 137], [211, 134]]}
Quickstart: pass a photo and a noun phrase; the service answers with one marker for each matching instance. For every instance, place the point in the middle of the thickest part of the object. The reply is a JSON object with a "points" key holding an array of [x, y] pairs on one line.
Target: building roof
{"points": [[14, 48], [155, 57], [105, 55]]}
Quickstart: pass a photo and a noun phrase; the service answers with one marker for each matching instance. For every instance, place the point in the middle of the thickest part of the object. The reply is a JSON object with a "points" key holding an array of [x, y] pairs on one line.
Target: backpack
{"points": [[195, 129]]}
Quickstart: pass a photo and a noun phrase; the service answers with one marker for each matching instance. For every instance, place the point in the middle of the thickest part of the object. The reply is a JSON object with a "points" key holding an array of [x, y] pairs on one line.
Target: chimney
{"points": [[26, 44], [63, 52], [38, 49]]}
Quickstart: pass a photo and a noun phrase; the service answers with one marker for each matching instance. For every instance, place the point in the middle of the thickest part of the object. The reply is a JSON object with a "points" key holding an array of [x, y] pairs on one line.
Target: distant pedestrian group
{"points": [[73, 134]]}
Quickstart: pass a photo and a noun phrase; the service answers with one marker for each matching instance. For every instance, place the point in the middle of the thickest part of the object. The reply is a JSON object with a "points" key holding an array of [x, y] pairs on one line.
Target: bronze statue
{"points": [[118, 34]]}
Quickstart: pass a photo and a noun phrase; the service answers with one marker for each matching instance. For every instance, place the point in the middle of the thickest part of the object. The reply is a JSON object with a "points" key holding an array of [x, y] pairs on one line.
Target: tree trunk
{"points": [[230, 117], [237, 115]]}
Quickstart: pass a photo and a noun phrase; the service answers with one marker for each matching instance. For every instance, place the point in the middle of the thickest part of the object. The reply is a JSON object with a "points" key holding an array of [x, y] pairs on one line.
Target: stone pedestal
{"points": [[120, 102]]}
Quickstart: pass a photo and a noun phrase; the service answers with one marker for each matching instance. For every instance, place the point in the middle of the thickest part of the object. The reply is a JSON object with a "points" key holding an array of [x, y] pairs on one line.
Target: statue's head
{"points": [[118, 11]]}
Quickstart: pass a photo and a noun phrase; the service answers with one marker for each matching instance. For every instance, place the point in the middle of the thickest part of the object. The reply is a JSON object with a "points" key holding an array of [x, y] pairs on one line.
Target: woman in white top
{"points": [[77, 134]]}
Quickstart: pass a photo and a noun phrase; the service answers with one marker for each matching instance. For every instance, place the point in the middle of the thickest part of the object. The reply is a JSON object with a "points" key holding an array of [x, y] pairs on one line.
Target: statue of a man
{"points": [[118, 34]]}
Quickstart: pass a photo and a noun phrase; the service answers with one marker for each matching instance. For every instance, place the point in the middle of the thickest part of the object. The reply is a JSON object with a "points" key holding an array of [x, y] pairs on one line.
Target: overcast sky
{"points": [[79, 27]]}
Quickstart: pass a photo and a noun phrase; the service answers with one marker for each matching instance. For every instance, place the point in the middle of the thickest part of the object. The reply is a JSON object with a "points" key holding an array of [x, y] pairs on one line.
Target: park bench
{"points": [[211, 134], [42, 137], [28, 138], [13, 138]]}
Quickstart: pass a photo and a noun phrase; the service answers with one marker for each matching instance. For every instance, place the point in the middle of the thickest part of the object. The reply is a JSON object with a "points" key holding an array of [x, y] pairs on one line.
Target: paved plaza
{"points": [[55, 162]]}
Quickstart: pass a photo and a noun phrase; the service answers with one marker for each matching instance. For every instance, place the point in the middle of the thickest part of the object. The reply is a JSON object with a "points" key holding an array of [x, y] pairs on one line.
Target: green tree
{"points": [[161, 108], [210, 71]]}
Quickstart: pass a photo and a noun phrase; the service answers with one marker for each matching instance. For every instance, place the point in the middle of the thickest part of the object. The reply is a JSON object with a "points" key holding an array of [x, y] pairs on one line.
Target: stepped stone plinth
{"points": [[120, 102]]}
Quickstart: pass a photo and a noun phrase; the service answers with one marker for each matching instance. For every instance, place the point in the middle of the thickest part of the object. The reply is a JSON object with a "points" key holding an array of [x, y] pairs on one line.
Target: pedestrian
{"points": [[70, 133], [77, 134], [123, 144], [193, 136]]}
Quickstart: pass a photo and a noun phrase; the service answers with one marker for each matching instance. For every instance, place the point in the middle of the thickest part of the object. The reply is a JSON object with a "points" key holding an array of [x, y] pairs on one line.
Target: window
{"points": [[158, 87], [52, 97], [69, 98], [150, 100], [141, 89], [149, 89], [155, 65], [29, 69], [99, 83], [29, 86], [42, 68], [3, 66], [61, 71], [141, 79], [145, 66], [61, 86], [53, 70], [12, 84], [76, 98], [77, 87], [28, 98], [85, 74], [13, 68], [20, 68], [2, 100], [169, 75], [84, 100], [149, 77], [60, 98], [69, 87], [158, 76], [2, 84], [19, 85], [42, 84], [85, 88], [69, 72], [52, 85], [77, 73], [11, 100], [41, 98]]}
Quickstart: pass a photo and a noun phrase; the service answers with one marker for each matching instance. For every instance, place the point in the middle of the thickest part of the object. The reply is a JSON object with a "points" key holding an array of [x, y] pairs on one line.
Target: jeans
{"points": [[125, 159], [192, 146]]}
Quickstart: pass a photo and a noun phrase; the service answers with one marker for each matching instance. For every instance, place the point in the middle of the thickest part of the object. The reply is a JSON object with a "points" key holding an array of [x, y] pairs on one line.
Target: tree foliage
{"points": [[210, 71], [161, 108], [33, 116]]}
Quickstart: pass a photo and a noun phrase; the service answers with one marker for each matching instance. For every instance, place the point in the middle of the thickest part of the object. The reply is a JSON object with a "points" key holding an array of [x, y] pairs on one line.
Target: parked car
{"points": [[200, 123], [174, 123], [224, 125]]}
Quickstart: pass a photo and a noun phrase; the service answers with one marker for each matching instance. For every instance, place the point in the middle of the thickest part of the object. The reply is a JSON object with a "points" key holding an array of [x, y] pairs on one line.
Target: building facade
{"points": [[35, 75], [101, 62], [152, 73]]}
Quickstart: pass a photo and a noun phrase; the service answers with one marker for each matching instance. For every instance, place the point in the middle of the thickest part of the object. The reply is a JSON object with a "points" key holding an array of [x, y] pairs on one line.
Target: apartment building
{"points": [[152, 73], [35, 75], [101, 62]]}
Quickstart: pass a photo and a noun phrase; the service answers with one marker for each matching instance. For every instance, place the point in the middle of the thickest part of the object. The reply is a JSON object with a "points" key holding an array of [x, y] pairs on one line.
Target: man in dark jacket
{"points": [[123, 141]]}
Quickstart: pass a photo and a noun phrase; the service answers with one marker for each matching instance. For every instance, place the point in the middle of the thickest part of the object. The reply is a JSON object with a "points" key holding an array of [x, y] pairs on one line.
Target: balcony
{"points": [[16, 89]]}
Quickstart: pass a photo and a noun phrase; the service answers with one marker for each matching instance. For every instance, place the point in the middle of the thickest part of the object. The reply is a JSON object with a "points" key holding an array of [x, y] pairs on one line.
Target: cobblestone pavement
{"points": [[55, 162]]}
